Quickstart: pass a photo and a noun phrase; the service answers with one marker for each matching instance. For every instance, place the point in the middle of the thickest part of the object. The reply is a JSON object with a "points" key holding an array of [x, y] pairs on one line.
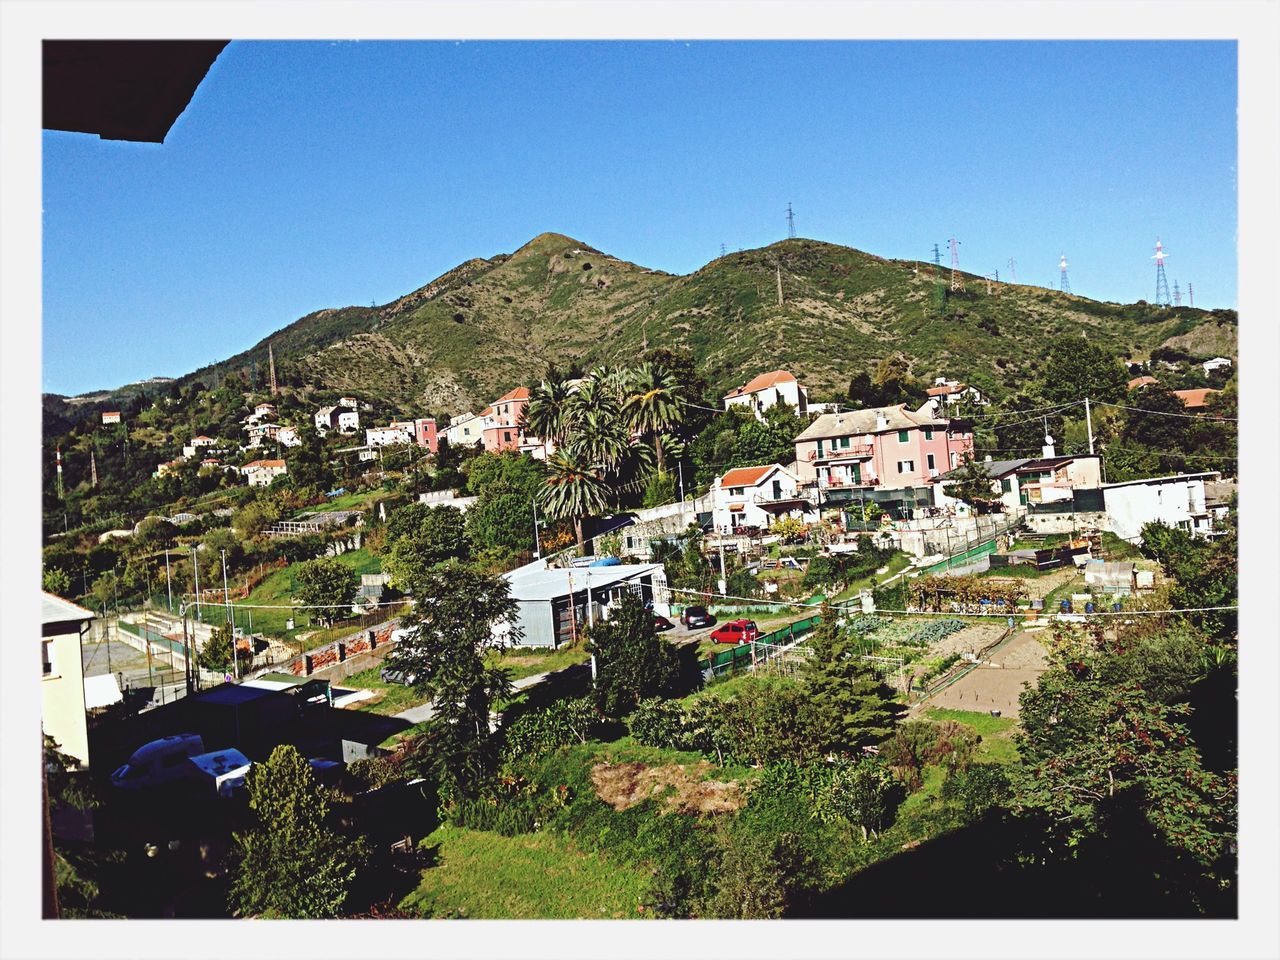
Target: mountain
{"points": [[490, 324]]}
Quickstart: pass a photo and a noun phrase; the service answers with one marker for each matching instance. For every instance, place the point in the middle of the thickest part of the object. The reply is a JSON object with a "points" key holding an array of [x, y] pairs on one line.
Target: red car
{"points": [[661, 623], [735, 631]]}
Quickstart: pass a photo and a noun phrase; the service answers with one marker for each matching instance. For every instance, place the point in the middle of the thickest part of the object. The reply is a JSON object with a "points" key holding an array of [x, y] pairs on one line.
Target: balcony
{"points": [[859, 451], [782, 504]]}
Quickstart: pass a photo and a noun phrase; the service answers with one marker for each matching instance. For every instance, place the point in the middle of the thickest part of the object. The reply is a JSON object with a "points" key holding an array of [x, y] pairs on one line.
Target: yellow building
{"points": [[62, 711]]}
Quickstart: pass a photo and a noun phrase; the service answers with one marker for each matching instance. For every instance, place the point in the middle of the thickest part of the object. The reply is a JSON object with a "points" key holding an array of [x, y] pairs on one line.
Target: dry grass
{"points": [[681, 786]]}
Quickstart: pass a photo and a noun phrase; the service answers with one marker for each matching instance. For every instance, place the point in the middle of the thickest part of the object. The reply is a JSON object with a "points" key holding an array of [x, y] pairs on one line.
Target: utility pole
{"points": [[226, 598], [1088, 420], [724, 583], [791, 222], [537, 544], [195, 566], [680, 471], [168, 583]]}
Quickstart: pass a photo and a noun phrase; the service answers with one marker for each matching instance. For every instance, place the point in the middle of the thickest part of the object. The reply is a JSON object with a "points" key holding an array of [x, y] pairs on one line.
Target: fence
{"points": [[331, 654], [764, 647]]}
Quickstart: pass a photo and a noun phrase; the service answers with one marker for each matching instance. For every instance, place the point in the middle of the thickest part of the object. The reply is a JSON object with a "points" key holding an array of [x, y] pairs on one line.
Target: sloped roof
{"points": [[864, 421], [747, 476], [263, 464], [1045, 463], [944, 389], [1144, 381], [1194, 399], [519, 393], [762, 382], [995, 469], [55, 611]]}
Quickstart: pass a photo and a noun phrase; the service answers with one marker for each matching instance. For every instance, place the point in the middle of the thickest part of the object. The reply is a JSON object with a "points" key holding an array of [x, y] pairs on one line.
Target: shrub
{"points": [[977, 789], [562, 722], [658, 723]]}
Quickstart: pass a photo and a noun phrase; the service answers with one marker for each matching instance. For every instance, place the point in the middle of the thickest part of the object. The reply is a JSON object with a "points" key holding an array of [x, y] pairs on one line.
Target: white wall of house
{"points": [[388, 436], [465, 431], [740, 506], [348, 421], [787, 391], [1176, 501], [62, 708]]}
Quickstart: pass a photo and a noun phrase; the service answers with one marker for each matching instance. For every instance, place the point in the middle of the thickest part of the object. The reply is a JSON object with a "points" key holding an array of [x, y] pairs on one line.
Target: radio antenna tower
{"points": [[791, 222], [939, 291], [1064, 284], [59, 462], [1013, 269], [1177, 295], [722, 249], [271, 358], [1191, 294], [957, 281], [1162, 282]]}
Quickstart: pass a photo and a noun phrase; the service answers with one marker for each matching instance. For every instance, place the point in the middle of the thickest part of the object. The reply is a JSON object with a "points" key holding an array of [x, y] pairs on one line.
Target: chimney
{"points": [[882, 422]]}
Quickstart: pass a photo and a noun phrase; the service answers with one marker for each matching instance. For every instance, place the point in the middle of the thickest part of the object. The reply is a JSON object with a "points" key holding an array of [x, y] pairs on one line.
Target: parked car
{"points": [[661, 623], [694, 617], [157, 762], [735, 631], [394, 674]]}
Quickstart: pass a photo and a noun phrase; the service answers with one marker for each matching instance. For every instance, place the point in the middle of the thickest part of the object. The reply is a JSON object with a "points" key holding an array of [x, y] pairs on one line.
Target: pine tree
{"points": [[857, 706], [632, 662]]}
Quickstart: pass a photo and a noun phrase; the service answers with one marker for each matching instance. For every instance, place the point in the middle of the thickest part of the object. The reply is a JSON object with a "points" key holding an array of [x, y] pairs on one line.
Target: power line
{"points": [[1166, 413]]}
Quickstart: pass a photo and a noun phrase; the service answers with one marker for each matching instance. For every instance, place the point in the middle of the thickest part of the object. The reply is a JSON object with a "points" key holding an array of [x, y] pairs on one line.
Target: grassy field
{"points": [[527, 877], [391, 698], [278, 590], [996, 746], [350, 501], [897, 563], [526, 662]]}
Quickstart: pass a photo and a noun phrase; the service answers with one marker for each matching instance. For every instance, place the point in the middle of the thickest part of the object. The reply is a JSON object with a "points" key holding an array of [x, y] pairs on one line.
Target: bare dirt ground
{"points": [[970, 639], [996, 687], [623, 785], [1040, 587]]}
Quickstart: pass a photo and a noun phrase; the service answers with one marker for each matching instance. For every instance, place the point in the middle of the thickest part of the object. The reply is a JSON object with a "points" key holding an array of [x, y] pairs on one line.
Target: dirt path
{"points": [[996, 686]]}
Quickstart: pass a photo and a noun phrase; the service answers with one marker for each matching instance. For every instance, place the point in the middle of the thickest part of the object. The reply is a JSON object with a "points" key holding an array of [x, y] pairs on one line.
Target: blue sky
{"points": [[311, 174]]}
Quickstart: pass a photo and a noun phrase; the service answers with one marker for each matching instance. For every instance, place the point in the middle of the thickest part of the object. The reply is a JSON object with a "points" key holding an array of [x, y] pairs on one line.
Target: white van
{"points": [[160, 761]]}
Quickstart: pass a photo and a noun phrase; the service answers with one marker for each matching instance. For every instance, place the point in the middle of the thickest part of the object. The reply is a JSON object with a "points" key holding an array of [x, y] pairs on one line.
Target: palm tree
{"points": [[654, 405], [548, 412], [574, 489]]}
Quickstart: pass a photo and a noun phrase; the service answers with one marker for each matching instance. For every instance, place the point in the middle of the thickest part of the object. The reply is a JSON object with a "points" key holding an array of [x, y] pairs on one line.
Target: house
{"points": [[62, 705], [1004, 483], [762, 392], [348, 421], [1178, 501], [464, 430], [1138, 383], [164, 469], [265, 410], [395, 434], [349, 402], [288, 436], [110, 416], [756, 496], [425, 433], [887, 447], [503, 432], [1217, 363], [554, 606], [196, 444], [945, 393], [262, 472], [1050, 479], [1195, 399], [326, 419]]}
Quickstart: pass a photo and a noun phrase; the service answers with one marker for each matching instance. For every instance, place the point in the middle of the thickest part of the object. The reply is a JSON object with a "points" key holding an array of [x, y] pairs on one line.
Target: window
{"points": [[506, 436], [929, 459], [819, 449], [906, 466], [1006, 486], [928, 435], [46, 655], [844, 443], [736, 491], [904, 436], [955, 459]]}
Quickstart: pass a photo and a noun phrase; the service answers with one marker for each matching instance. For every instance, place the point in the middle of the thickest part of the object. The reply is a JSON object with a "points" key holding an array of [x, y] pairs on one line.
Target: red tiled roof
{"points": [[1137, 382], [264, 463], [486, 412], [745, 476], [737, 506], [944, 390], [519, 393], [1194, 399], [762, 382]]}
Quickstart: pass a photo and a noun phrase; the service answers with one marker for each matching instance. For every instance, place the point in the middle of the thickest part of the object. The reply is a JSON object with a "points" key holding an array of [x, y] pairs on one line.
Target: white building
{"points": [[326, 419], [755, 497], [264, 410], [1217, 363], [197, 444], [1178, 501], [396, 433], [761, 393], [553, 606], [289, 437], [465, 430], [262, 472], [62, 706], [1004, 484], [348, 421], [946, 392], [1050, 479], [110, 416]]}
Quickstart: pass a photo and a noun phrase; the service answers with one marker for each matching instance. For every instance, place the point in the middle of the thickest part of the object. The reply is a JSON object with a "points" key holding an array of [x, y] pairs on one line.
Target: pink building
{"points": [[888, 448], [502, 424], [424, 433]]}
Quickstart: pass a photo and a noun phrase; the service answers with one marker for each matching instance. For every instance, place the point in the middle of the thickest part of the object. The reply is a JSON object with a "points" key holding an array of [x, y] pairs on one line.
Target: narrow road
{"points": [[426, 711]]}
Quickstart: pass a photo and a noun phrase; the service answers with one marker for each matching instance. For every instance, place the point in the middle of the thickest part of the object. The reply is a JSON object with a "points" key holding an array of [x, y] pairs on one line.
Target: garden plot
{"points": [[927, 646]]}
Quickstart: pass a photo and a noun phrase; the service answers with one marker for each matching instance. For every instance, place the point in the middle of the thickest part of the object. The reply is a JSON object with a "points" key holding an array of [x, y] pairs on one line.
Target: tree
{"points": [[547, 415], [307, 463], [654, 405], [573, 491], [863, 793], [1075, 368], [971, 483], [856, 705], [217, 650], [659, 490], [327, 583], [451, 626], [291, 864], [421, 537], [55, 580], [632, 661]]}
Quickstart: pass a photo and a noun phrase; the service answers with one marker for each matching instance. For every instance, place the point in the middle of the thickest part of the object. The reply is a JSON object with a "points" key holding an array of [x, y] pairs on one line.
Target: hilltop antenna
{"points": [[1162, 282], [939, 291], [1177, 295], [722, 249], [1191, 295], [1064, 284], [957, 281], [1013, 269], [271, 358], [791, 222], [59, 462]]}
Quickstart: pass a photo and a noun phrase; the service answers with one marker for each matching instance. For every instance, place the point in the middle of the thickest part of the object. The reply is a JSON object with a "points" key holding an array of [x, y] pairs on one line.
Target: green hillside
{"points": [[490, 324]]}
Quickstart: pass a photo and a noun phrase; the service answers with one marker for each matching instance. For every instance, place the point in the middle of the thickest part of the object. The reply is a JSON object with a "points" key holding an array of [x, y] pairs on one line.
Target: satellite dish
{"points": [[1048, 439]]}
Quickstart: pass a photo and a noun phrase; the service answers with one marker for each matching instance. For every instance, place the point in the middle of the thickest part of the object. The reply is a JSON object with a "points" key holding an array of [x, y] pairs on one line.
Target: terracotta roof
{"points": [[737, 506], [266, 464], [762, 382], [944, 390], [486, 412], [746, 476], [1194, 399], [1137, 382], [519, 393]]}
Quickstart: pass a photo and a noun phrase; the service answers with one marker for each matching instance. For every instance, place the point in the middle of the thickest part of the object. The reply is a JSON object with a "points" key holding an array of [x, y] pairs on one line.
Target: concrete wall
{"points": [[62, 713], [1067, 522], [1135, 505]]}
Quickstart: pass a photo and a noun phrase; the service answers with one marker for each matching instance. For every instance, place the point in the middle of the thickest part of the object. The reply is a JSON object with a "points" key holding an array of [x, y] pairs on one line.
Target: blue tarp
{"points": [[607, 562]]}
